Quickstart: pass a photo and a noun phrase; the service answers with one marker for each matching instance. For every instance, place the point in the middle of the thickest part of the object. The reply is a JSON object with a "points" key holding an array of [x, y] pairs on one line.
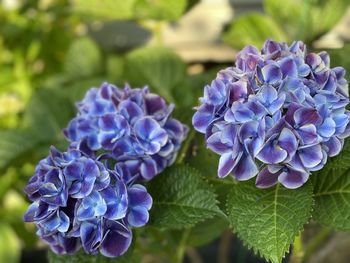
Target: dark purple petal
{"points": [[73, 171], [305, 116], [154, 103], [91, 235], [266, 179], [238, 91], [116, 240]]}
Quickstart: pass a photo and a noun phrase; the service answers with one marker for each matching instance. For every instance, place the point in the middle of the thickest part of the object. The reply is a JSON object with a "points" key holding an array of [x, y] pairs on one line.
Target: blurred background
{"points": [[51, 52]]}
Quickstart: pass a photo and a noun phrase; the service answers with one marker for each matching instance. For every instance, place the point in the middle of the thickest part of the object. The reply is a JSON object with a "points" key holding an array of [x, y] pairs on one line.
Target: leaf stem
{"points": [[186, 145], [297, 252], [180, 252]]}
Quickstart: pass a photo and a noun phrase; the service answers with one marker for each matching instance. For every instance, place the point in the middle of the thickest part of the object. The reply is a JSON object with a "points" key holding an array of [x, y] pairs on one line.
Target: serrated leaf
{"points": [[181, 199], [268, 220], [157, 67], [253, 29], [83, 59], [104, 9], [159, 9], [332, 192]]}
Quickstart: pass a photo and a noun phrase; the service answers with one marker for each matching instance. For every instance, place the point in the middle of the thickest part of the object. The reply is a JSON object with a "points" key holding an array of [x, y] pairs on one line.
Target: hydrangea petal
{"points": [[293, 179], [116, 231], [311, 156], [245, 168], [266, 179]]}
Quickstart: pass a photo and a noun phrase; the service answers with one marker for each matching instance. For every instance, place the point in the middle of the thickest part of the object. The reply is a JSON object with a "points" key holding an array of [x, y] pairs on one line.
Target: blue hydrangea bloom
{"points": [[132, 125], [78, 202], [278, 114]]}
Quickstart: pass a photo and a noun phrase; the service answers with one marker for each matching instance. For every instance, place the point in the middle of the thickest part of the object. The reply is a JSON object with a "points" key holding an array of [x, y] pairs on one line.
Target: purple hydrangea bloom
{"points": [[78, 202], [132, 125], [277, 115]]}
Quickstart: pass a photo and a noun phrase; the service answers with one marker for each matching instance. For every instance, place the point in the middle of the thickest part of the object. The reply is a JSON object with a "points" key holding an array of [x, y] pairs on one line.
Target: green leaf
{"points": [[305, 20], [268, 220], [159, 9], [207, 231], [289, 14], [325, 14], [332, 192], [157, 67], [10, 248], [83, 59], [47, 113], [181, 199], [104, 9], [15, 145], [253, 29]]}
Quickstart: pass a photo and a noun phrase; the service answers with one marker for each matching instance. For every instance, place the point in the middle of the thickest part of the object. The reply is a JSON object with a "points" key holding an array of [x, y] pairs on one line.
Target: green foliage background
{"points": [[48, 59]]}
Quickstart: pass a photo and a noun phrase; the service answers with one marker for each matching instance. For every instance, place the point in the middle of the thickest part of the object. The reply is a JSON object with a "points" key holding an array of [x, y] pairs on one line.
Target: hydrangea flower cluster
{"points": [[78, 202], [278, 114], [88, 196], [133, 125]]}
